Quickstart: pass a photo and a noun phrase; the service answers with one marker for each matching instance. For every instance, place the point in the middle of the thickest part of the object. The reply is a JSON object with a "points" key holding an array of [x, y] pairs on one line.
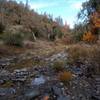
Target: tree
{"points": [[79, 30], [90, 15], [59, 20], [88, 8]]}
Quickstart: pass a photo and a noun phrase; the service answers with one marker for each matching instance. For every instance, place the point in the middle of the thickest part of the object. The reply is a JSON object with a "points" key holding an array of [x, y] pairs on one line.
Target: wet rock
{"points": [[20, 79], [59, 56], [38, 81], [46, 97], [21, 72], [77, 71], [96, 90], [1, 82], [62, 97], [95, 97], [31, 94], [20, 98], [57, 91], [4, 75], [45, 81], [7, 91], [5, 62], [20, 75]]}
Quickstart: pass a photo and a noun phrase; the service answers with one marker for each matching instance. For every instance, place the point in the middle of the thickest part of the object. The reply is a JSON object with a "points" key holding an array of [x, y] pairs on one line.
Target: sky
{"points": [[66, 9]]}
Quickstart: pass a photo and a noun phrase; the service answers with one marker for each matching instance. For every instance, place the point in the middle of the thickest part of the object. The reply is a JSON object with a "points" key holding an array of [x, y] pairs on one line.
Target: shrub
{"points": [[94, 58], [78, 36], [58, 65], [89, 37], [67, 39], [8, 84], [87, 55], [65, 76], [52, 37], [78, 31], [13, 39], [2, 27], [77, 53], [58, 32]]}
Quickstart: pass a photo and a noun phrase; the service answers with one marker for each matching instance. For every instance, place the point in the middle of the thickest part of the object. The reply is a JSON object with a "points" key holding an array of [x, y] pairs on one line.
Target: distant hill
{"points": [[19, 18]]}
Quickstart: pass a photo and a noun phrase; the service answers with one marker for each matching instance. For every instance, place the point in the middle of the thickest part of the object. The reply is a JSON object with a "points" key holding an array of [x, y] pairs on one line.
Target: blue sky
{"points": [[67, 9]]}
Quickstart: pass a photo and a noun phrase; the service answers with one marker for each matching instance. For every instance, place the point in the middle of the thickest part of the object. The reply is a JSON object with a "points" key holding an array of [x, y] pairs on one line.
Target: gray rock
{"points": [[21, 72], [19, 78], [1, 81]]}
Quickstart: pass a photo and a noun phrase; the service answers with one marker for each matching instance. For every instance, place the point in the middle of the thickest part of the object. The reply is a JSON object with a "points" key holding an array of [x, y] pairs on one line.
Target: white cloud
{"points": [[77, 5], [42, 5]]}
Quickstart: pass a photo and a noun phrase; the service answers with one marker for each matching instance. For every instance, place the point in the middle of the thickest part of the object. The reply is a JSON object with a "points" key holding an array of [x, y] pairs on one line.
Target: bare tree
{"points": [[27, 3]]}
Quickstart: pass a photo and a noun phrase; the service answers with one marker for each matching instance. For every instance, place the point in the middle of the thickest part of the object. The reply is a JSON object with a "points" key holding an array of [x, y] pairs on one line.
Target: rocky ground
{"points": [[41, 82]]}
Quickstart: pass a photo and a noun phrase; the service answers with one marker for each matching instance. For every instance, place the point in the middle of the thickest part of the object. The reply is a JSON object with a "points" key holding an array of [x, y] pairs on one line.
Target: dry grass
{"points": [[8, 84], [85, 53], [77, 52], [10, 50], [45, 48], [39, 48], [25, 64]]}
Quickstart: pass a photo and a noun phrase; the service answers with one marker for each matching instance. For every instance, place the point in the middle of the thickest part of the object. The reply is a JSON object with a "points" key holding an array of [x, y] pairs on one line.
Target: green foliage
{"points": [[13, 39], [59, 20], [78, 31], [78, 36], [52, 37], [89, 17], [58, 65], [58, 32], [88, 8], [8, 84]]}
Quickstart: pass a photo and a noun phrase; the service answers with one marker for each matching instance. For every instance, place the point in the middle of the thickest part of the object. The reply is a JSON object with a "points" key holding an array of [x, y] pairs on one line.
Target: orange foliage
{"points": [[65, 76], [46, 98], [96, 19], [89, 37]]}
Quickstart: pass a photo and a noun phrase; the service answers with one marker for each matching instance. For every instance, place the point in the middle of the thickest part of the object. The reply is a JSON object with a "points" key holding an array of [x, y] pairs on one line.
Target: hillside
{"points": [[43, 59], [20, 19]]}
